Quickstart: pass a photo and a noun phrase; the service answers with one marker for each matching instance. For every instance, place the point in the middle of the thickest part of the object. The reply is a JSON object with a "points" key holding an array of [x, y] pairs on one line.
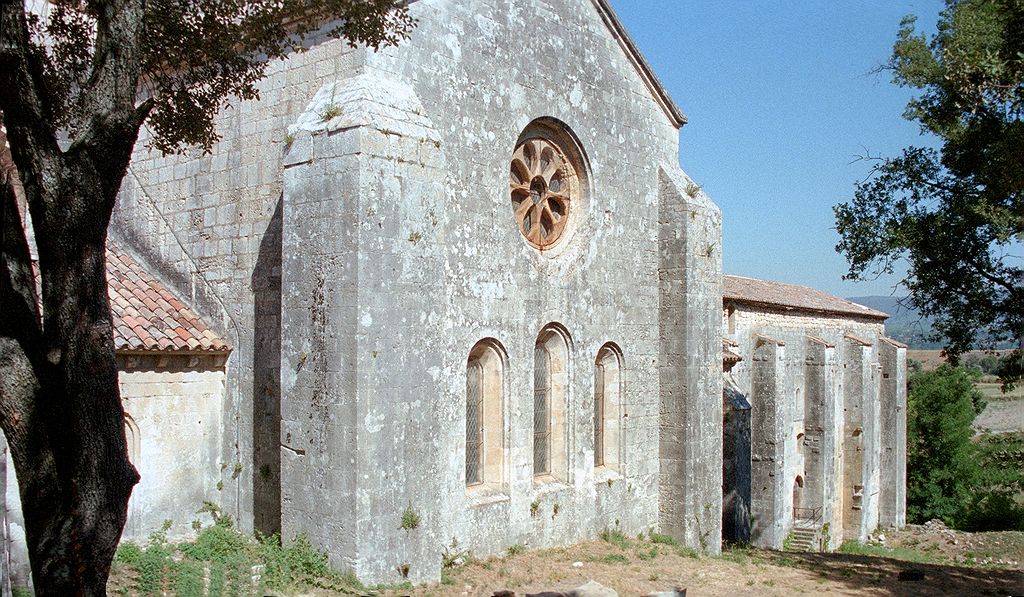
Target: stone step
{"points": [[803, 539]]}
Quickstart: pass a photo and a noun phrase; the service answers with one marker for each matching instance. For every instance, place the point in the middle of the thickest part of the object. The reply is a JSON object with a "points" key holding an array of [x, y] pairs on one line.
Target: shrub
{"points": [[227, 558], [942, 463]]}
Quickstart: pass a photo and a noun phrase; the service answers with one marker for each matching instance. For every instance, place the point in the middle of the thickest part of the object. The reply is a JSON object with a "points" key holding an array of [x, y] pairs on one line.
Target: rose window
{"points": [[542, 183]]}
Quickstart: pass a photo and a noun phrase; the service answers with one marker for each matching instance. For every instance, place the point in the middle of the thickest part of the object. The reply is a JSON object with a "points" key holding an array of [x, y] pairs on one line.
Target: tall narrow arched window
{"points": [[608, 407], [133, 437], [485, 419], [550, 397]]}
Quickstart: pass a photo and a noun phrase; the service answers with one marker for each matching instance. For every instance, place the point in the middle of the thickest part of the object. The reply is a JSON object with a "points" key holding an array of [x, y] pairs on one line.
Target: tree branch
{"points": [[20, 327], [23, 98], [998, 281], [112, 86]]}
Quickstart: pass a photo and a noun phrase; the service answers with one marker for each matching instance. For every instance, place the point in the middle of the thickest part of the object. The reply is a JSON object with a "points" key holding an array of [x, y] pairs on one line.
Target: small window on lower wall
{"points": [[485, 420], [608, 408]]}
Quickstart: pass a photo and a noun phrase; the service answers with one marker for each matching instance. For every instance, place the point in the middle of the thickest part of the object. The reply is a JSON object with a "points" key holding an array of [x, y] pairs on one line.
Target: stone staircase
{"points": [[804, 538]]}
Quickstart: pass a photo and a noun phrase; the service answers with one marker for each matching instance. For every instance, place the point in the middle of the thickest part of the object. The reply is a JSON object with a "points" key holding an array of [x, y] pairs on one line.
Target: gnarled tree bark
{"points": [[59, 402]]}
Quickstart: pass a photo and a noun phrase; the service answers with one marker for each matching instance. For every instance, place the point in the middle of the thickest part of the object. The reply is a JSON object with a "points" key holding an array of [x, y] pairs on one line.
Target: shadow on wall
{"points": [[266, 404]]}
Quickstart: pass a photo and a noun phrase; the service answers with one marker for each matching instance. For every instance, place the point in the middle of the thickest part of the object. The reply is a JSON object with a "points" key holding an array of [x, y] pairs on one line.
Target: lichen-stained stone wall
{"points": [[209, 226], [352, 236], [690, 453], [831, 404], [173, 407], [768, 436], [893, 484], [5, 546], [402, 208]]}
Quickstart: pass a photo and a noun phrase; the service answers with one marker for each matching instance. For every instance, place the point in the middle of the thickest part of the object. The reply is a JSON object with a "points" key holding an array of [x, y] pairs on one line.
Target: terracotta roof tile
{"points": [[147, 316], [791, 297]]}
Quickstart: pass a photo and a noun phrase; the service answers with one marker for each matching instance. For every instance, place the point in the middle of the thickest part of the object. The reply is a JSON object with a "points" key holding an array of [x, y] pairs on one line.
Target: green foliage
{"points": [[662, 539], [687, 552], [984, 364], [616, 538], [996, 503], [787, 543], [616, 558], [942, 464], [452, 555], [955, 214], [880, 551], [516, 549], [1011, 370], [970, 484], [197, 55], [410, 519], [224, 559]]}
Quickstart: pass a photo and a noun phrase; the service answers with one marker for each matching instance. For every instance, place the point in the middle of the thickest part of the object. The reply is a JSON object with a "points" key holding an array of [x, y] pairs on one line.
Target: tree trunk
{"points": [[60, 407]]}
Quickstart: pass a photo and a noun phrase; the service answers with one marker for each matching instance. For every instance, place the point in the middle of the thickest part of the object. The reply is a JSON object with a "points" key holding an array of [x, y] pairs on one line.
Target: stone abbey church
{"points": [[466, 278]]}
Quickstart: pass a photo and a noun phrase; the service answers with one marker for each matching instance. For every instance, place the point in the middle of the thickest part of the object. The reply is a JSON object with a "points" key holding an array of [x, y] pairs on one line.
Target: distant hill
{"points": [[904, 324]]}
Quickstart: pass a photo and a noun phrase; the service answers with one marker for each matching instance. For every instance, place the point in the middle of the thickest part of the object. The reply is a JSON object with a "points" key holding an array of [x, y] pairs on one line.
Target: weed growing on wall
{"points": [[410, 519]]}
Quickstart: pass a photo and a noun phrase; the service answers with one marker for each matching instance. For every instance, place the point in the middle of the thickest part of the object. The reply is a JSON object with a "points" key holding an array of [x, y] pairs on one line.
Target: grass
{"points": [[880, 551], [616, 538], [993, 391], [224, 561]]}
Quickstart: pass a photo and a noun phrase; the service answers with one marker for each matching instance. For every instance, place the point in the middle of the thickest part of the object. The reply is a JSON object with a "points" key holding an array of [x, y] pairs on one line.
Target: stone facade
{"points": [[827, 393], [173, 406], [462, 278], [353, 238]]}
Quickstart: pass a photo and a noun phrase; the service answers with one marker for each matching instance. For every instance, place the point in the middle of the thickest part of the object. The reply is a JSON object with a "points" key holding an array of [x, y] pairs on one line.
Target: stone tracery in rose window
{"points": [[542, 185]]}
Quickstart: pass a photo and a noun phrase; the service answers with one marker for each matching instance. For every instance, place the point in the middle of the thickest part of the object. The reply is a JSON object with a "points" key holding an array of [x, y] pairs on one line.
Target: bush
{"points": [[972, 484], [225, 559], [942, 463]]}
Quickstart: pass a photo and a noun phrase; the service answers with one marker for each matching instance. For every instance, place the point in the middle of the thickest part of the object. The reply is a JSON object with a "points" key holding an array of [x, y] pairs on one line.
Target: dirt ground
{"points": [[949, 561]]}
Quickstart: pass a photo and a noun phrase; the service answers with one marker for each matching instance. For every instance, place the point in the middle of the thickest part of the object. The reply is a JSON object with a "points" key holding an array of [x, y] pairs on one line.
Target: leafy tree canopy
{"points": [[194, 55], [955, 214]]}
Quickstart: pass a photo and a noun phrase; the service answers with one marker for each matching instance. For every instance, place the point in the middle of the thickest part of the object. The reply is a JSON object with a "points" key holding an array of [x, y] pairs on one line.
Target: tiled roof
{"points": [[147, 316], [791, 297]]}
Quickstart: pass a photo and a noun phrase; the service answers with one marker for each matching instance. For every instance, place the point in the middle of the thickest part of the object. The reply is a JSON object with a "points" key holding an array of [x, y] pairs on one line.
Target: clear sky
{"points": [[781, 100]]}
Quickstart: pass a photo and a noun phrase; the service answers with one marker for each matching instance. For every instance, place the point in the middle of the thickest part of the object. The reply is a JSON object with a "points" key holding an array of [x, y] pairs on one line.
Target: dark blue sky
{"points": [[781, 100]]}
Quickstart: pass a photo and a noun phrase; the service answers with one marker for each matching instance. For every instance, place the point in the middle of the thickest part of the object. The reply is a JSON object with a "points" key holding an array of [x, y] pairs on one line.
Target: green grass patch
{"points": [[616, 558], [616, 538], [880, 551], [662, 539], [224, 561]]}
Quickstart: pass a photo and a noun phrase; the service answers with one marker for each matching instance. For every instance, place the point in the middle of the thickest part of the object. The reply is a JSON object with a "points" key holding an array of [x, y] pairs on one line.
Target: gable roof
{"points": [[149, 317], [640, 63], [751, 291]]}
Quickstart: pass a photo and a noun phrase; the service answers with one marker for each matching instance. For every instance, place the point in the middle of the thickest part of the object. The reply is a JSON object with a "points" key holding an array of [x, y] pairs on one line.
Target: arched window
{"points": [[608, 407], [133, 437], [798, 498], [550, 396], [485, 420]]}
